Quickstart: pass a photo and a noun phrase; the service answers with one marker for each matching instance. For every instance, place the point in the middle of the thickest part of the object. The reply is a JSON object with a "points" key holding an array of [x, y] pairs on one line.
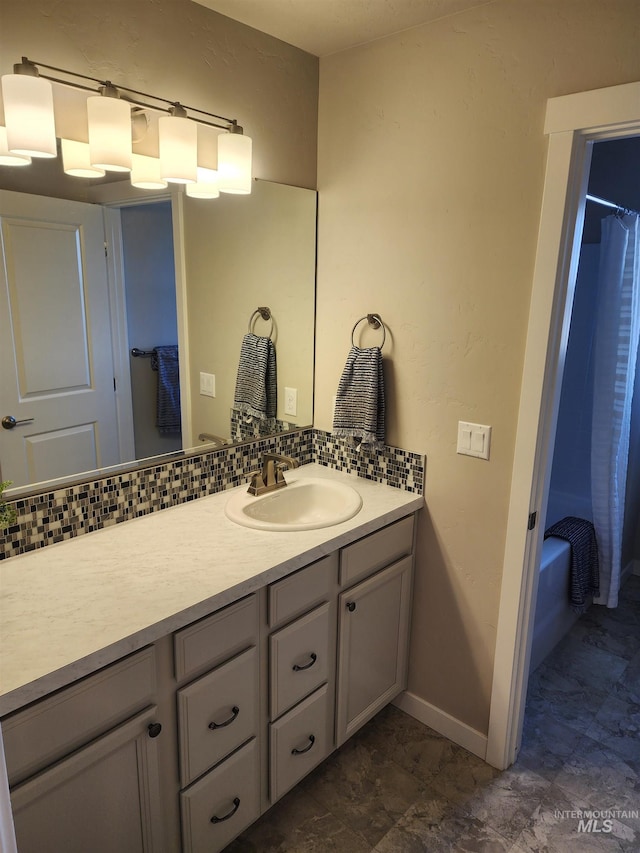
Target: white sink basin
{"points": [[305, 504]]}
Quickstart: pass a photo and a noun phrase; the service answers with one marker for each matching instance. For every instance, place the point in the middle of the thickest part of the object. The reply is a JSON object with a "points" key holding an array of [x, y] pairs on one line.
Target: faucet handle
{"points": [[257, 484]]}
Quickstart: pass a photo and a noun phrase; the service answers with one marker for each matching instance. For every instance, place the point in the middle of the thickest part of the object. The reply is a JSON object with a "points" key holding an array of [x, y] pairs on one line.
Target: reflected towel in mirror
{"points": [[256, 382], [165, 361]]}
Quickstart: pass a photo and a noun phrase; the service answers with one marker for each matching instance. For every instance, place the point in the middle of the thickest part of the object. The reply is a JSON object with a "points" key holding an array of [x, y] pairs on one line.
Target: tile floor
{"points": [[398, 787]]}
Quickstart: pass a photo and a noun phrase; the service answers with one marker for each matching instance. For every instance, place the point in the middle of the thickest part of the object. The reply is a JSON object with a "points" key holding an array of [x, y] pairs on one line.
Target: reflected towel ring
{"points": [[266, 314], [375, 321]]}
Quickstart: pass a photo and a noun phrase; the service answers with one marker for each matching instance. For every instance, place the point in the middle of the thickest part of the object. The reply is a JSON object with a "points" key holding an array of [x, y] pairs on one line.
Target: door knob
{"points": [[9, 422]]}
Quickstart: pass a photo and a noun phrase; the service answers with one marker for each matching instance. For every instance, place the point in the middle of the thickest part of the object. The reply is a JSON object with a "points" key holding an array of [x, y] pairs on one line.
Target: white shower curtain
{"points": [[616, 350]]}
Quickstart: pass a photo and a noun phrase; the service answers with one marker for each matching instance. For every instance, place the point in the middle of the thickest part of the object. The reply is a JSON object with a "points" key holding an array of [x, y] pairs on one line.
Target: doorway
{"points": [[614, 174], [572, 123]]}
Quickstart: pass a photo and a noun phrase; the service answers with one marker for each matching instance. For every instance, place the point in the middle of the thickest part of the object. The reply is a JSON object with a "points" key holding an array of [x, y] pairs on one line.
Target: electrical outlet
{"points": [[291, 401], [207, 385]]}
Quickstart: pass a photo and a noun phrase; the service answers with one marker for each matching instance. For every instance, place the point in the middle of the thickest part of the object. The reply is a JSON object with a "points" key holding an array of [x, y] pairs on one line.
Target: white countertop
{"points": [[73, 607]]}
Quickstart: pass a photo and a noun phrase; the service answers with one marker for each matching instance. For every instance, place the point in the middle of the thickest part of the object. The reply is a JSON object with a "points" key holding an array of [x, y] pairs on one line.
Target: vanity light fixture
{"points": [[109, 121], [28, 98], [28, 111]]}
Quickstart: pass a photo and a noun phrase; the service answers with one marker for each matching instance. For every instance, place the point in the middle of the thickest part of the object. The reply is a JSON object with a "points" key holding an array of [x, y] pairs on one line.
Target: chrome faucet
{"points": [[271, 476]]}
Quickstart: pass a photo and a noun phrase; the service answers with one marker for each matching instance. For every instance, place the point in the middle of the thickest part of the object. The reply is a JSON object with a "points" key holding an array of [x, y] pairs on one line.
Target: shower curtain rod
{"points": [[606, 203]]}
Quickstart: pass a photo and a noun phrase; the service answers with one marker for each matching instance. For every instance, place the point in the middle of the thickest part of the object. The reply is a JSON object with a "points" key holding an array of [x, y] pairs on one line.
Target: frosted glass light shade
{"points": [[7, 158], [109, 122], [28, 114], [234, 163], [178, 144], [207, 185], [76, 160], [145, 173]]}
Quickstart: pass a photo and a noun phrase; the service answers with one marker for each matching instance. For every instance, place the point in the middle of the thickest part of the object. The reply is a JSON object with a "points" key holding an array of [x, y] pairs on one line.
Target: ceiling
{"points": [[322, 27]]}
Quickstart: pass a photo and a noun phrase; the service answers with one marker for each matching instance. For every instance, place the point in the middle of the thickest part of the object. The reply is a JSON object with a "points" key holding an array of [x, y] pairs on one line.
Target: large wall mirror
{"points": [[182, 275]]}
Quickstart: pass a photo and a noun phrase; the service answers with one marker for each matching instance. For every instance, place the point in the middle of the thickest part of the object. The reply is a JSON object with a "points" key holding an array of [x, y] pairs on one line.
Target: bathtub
{"points": [[554, 617]]}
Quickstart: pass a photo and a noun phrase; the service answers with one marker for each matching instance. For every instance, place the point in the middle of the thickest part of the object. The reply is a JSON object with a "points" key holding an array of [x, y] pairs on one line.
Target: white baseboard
{"points": [[443, 723]]}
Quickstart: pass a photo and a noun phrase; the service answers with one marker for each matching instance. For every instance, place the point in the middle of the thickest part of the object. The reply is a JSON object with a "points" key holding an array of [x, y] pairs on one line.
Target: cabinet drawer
{"points": [[53, 727], [376, 551], [299, 592], [212, 640], [216, 714], [300, 740], [224, 802], [300, 657]]}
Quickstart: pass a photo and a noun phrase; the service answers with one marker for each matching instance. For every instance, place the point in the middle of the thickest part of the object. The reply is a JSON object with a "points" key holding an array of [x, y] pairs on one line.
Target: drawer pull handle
{"points": [[295, 751], [298, 668], [236, 805], [351, 606], [234, 713], [154, 729]]}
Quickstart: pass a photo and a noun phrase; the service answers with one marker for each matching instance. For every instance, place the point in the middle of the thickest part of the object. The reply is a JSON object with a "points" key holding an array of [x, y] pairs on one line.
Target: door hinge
{"points": [[106, 249], [533, 516], [114, 384]]}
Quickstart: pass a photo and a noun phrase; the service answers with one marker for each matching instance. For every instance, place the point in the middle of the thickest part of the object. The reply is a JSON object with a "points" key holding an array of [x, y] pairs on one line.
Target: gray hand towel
{"points": [[360, 405]]}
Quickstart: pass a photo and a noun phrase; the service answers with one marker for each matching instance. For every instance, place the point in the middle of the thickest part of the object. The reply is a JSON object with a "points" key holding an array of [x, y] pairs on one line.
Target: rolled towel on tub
{"points": [[585, 570]]}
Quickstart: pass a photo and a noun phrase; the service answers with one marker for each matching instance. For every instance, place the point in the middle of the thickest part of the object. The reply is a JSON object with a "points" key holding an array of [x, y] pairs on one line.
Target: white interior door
{"points": [[56, 361]]}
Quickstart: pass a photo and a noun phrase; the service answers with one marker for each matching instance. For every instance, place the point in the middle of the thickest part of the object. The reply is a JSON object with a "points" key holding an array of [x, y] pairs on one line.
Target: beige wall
{"points": [[182, 51], [430, 174]]}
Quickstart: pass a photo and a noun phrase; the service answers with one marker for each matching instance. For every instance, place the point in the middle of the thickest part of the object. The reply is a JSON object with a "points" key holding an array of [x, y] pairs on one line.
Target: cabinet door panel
{"points": [[372, 662], [103, 798]]}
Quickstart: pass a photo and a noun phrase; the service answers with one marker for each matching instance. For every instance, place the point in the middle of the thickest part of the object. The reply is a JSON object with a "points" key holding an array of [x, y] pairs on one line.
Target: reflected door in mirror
{"points": [[55, 340]]}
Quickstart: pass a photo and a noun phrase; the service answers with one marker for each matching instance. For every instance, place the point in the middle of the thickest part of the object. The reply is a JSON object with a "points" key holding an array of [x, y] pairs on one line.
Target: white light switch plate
{"points": [[474, 439], [207, 385]]}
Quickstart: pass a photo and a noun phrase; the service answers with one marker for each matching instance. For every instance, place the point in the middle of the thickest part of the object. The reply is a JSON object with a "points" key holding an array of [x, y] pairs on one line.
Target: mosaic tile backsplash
{"points": [[69, 511]]}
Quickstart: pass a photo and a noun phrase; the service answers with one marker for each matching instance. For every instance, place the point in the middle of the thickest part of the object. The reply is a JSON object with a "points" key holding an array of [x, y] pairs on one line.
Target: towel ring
{"points": [[375, 321], [266, 314]]}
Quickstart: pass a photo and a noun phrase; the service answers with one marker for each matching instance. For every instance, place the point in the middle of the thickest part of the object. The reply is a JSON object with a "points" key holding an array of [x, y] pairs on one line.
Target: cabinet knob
{"points": [[351, 606], [236, 805], [154, 729]]}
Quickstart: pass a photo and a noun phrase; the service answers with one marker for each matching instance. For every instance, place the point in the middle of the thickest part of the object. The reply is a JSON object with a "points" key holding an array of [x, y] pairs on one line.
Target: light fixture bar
{"points": [[170, 104]]}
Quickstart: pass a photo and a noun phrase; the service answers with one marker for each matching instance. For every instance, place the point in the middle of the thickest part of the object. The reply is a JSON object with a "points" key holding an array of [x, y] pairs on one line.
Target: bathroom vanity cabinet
{"points": [[183, 744]]}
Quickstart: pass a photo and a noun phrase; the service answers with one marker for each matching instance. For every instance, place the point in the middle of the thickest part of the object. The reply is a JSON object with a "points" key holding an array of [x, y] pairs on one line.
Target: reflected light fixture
{"points": [[7, 158], [207, 185], [145, 173], [76, 160], [30, 132]]}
